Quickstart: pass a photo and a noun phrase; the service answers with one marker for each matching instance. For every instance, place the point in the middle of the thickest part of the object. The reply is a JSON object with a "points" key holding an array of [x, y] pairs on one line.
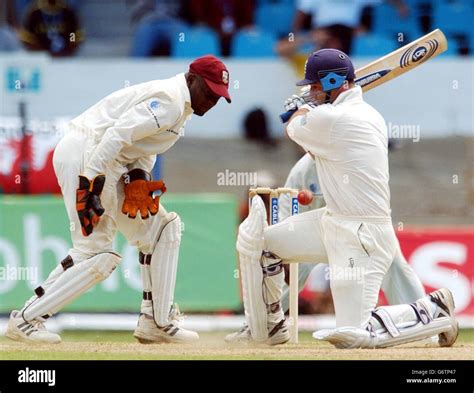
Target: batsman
{"points": [[103, 166], [353, 233]]}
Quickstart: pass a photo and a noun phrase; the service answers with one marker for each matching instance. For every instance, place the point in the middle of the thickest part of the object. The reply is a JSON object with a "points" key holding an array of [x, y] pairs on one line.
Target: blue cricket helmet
{"points": [[330, 67]]}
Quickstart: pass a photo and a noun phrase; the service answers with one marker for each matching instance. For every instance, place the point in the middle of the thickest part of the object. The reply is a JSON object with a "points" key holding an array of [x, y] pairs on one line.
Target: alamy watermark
{"points": [[18, 273], [349, 273], [37, 376], [404, 131], [231, 178]]}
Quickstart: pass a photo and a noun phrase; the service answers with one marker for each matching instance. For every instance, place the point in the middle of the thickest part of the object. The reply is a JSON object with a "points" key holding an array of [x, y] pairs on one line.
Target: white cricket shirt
{"points": [[303, 175], [349, 141], [135, 124]]}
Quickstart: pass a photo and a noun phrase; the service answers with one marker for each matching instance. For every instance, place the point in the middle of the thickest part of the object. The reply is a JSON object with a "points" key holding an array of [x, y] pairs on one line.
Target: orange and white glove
{"points": [[141, 194]]}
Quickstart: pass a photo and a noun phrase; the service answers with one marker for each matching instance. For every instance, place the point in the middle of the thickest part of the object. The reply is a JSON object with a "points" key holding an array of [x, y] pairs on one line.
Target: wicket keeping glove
{"points": [[139, 195], [88, 205], [294, 103]]}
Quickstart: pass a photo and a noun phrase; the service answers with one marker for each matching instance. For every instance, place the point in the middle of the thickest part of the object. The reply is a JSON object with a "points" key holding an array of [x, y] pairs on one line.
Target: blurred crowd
{"points": [[240, 28], [39, 25]]}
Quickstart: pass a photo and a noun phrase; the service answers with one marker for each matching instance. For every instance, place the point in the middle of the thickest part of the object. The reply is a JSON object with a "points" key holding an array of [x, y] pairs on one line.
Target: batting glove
{"points": [[294, 103]]}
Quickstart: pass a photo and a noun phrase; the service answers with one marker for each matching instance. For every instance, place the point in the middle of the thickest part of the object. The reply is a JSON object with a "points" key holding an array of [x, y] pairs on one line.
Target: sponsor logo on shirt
{"points": [[313, 188], [154, 105], [149, 108]]}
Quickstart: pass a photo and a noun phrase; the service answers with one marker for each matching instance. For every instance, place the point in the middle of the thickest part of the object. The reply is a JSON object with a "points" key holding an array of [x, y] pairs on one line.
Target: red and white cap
{"points": [[214, 73]]}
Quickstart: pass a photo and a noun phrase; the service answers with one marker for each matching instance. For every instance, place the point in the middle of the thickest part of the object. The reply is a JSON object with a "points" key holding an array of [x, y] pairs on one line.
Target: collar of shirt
{"points": [[184, 89], [353, 94]]}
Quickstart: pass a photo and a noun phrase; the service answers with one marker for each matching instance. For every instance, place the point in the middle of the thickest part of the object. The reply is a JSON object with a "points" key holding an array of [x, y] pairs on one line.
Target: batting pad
{"points": [[351, 337], [250, 246], [391, 325]]}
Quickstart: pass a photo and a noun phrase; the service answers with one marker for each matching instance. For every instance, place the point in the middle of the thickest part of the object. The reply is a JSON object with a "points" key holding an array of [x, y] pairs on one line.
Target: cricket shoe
{"points": [[148, 332], [242, 336], [278, 334], [30, 332], [443, 298]]}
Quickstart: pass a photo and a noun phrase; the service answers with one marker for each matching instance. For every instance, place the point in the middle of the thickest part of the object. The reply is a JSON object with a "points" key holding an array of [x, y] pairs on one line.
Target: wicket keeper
{"points": [[103, 166]]}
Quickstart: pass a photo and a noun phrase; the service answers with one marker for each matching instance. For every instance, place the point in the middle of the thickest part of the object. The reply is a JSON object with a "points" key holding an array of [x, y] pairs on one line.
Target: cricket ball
{"points": [[305, 197]]}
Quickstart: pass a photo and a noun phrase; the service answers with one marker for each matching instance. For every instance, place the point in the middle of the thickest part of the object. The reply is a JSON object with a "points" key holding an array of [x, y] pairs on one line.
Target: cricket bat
{"points": [[397, 62]]}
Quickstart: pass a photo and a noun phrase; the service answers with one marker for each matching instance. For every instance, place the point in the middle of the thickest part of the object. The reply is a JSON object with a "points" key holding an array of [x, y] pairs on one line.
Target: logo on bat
{"points": [[419, 53], [415, 54], [371, 78]]}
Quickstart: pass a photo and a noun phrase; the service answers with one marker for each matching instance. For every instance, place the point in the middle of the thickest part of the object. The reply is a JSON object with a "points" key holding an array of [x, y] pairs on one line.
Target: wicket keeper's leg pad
{"points": [[158, 269], [75, 281]]}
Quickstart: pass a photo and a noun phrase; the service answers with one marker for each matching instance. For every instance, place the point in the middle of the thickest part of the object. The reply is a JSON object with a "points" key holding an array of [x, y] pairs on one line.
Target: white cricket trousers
{"points": [[359, 251], [69, 160]]}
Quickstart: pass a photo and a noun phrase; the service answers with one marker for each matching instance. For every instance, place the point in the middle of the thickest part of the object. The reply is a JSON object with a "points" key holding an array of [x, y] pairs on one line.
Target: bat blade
{"points": [[401, 60]]}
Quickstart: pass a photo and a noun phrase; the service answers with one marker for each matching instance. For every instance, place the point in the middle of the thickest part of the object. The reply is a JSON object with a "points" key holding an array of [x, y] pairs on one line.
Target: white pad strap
{"points": [[250, 246], [145, 261], [386, 321], [72, 283]]}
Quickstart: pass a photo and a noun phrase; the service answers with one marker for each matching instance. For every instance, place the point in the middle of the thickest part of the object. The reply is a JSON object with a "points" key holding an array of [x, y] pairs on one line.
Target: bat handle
{"points": [[286, 116]]}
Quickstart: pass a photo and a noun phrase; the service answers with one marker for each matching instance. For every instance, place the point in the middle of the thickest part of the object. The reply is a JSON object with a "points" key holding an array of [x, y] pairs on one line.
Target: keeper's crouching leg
{"points": [[159, 316], [77, 278]]}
